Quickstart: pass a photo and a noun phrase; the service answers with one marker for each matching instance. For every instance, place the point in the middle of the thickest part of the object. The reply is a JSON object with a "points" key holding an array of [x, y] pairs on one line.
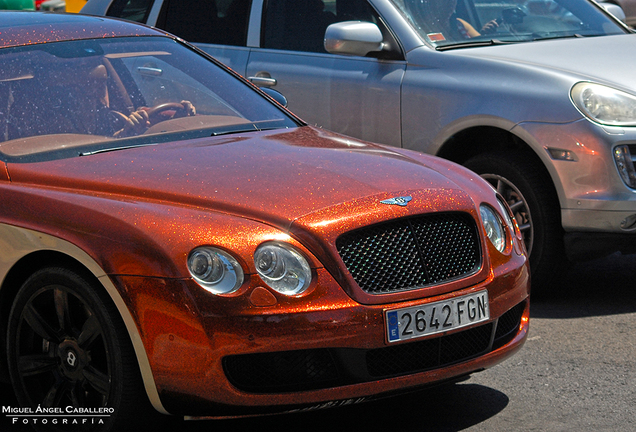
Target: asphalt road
{"points": [[577, 372]]}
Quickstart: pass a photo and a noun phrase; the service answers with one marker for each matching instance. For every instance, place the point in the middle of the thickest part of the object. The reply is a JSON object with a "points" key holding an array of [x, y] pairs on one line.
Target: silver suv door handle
{"points": [[260, 81]]}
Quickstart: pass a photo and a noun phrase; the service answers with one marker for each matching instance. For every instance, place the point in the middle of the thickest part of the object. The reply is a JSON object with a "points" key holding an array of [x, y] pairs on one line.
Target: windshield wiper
{"points": [[477, 43], [156, 139], [568, 36], [259, 125], [110, 149], [234, 131]]}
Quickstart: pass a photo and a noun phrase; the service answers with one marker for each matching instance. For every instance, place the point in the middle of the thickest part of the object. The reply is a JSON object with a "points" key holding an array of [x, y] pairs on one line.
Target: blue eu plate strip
{"points": [[394, 331]]}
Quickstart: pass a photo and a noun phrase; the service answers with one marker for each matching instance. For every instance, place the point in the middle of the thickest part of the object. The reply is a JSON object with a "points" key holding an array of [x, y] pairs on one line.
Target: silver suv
{"points": [[537, 96]]}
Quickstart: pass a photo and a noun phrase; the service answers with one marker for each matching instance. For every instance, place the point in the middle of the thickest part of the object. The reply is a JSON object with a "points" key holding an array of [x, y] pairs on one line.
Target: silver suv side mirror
{"points": [[353, 38], [614, 9], [276, 95]]}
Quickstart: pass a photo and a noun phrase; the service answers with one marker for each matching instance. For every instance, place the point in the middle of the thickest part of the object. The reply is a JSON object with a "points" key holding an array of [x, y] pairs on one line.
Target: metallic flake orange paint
{"points": [[139, 212]]}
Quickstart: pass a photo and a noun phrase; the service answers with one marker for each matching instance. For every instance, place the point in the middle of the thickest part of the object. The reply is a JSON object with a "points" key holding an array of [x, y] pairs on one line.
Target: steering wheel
{"points": [[156, 113], [511, 16]]}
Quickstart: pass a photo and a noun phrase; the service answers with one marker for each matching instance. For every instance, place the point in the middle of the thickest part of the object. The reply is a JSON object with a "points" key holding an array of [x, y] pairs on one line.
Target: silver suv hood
{"points": [[603, 59]]}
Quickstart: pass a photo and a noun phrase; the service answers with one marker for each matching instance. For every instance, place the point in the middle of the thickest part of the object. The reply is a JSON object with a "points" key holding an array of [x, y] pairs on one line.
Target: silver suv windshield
{"points": [[99, 95], [463, 23]]}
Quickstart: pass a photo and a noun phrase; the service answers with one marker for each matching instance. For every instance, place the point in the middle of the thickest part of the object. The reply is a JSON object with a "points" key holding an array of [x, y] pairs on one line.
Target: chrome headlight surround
{"points": [[282, 268], [604, 105], [215, 270], [494, 226], [509, 217]]}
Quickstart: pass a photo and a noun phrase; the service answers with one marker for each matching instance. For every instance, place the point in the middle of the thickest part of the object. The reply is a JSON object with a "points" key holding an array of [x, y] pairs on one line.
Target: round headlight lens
{"points": [[604, 104], [494, 227], [282, 268], [215, 270]]}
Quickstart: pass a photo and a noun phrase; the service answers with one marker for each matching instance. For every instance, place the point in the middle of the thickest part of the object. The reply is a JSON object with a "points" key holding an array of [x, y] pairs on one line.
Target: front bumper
{"points": [[223, 356], [593, 196]]}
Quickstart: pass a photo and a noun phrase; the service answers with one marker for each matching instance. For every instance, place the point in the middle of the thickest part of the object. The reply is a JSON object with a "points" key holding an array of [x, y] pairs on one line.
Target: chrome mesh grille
{"points": [[411, 253]]}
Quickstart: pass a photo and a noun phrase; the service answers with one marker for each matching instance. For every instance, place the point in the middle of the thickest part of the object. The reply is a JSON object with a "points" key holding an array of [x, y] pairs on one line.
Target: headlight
{"points": [[494, 227], [215, 270], [282, 268], [605, 105]]}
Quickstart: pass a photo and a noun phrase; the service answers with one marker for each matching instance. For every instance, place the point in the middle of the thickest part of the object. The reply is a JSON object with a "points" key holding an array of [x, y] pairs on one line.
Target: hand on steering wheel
{"points": [[140, 120], [134, 124], [490, 26], [168, 110]]}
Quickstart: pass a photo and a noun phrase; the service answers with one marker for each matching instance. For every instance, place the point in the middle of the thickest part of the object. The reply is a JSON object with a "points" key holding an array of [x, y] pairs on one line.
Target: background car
{"points": [[173, 237], [17, 5], [74, 6], [502, 104]]}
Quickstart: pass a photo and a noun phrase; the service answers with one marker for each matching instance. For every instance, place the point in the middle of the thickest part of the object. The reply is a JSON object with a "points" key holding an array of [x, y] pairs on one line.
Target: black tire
{"points": [[526, 187], [67, 346]]}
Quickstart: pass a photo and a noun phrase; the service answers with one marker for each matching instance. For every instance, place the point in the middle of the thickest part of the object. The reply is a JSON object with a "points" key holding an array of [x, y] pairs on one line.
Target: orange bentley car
{"points": [[173, 237]]}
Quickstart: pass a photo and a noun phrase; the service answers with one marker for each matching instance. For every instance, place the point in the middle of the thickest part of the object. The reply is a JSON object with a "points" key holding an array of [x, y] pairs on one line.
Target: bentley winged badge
{"points": [[401, 201]]}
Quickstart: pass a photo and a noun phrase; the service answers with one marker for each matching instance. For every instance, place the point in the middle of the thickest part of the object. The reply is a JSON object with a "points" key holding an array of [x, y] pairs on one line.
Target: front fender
{"points": [[17, 244]]}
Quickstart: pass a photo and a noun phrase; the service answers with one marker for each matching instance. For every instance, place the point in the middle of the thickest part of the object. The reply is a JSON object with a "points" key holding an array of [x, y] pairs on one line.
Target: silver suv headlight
{"points": [[282, 268], [604, 105]]}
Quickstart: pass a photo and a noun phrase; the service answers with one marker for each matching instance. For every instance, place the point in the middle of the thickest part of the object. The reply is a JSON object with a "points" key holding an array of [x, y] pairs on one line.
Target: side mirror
{"points": [[615, 10], [276, 95], [353, 38]]}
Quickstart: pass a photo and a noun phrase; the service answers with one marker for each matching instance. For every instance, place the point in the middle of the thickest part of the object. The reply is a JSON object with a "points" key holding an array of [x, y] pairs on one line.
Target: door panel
{"points": [[231, 56], [357, 96]]}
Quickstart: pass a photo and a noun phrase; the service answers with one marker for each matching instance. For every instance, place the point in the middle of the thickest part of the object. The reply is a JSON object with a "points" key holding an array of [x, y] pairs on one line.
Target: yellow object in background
{"points": [[74, 5]]}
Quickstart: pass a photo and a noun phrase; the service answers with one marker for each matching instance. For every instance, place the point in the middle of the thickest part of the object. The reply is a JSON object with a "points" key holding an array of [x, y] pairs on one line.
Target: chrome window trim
{"points": [[254, 26], [154, 12]]}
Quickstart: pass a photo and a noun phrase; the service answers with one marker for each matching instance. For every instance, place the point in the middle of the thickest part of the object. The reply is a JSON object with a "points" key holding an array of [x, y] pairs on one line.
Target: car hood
{"points": [[600, 59], [272, 176]]}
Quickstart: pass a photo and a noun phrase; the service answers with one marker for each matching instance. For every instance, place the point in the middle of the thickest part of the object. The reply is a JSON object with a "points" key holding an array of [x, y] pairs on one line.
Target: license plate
{"points": [[437, 317]]}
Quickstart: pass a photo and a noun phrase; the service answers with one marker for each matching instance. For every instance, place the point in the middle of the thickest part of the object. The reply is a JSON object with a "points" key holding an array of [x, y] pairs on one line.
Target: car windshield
{"points": [[449, 24], [86, 96]]}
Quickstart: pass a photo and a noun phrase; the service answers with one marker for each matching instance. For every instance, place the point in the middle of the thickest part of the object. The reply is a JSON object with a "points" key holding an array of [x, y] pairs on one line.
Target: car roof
{"points": [[26, 28]]}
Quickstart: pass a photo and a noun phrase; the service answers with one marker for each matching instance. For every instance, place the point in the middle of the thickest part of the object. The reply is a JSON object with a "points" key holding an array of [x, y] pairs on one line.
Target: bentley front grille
{"points": [[410, 253]]}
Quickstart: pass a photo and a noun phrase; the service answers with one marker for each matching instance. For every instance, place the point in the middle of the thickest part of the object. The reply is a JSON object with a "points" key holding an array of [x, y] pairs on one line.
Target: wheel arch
{"points": [[479, 145], [472, 141], [40, 251]]}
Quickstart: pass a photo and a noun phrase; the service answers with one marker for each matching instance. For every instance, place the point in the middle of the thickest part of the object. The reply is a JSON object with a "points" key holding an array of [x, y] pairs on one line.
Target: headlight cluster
{"points": [[279, 265], [493, 225], [604, 105]]}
